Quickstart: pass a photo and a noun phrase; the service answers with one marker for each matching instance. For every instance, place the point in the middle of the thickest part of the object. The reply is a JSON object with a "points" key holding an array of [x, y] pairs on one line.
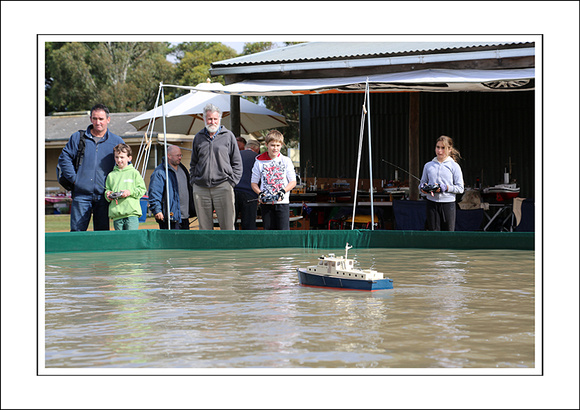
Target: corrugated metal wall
{"points": [[489, 129]]}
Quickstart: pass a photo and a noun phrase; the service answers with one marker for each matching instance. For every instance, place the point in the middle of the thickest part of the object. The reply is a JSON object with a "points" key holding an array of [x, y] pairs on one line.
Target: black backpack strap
{"points": [[80, 150]]}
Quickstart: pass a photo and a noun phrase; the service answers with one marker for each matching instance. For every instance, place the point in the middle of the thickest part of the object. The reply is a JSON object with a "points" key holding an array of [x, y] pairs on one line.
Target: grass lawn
{"points": [[61, 223]]}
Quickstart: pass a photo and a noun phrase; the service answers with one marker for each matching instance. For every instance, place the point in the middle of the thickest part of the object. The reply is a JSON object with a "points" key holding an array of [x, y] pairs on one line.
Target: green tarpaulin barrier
{"points": [[203, 240]]}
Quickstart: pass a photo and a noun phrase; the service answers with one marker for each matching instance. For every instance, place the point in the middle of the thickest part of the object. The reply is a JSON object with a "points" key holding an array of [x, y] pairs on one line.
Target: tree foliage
{"points": [[124, 76], [289, 106], [253, 48], [285, 105], [194, 61]]}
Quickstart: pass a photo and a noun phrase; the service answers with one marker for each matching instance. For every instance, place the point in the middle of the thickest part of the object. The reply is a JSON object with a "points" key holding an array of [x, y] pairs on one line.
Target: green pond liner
{"points": [[145, 239]]}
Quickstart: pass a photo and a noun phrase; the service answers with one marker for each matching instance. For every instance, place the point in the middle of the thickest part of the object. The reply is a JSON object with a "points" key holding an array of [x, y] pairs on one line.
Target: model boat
{"points": [[502, 192], [340, 273]]}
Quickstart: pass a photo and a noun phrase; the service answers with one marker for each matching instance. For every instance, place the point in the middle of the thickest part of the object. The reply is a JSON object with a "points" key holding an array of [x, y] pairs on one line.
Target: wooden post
{"points": [[235, 115], [305, 137], [414, 145]]}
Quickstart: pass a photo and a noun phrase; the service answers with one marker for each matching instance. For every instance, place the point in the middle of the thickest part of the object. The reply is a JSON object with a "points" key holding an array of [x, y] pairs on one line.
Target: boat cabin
{"points": [[335, 264], [331, 265]]}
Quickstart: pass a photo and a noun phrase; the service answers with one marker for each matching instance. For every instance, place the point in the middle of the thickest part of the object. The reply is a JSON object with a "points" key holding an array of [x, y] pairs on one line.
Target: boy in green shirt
{"points": [[123, 189]]}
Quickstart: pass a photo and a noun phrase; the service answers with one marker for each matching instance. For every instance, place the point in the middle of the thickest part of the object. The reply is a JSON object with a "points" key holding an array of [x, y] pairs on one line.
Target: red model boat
{"points": [[502, 192]]}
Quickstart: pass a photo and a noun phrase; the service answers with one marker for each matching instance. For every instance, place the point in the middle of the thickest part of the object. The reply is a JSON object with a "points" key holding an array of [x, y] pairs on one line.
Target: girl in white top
{"points": [[445, 172]]}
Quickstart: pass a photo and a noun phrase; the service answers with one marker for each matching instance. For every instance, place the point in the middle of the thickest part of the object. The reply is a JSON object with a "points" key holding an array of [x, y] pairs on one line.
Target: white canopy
{"points": [[420, 80], [184, 115]]}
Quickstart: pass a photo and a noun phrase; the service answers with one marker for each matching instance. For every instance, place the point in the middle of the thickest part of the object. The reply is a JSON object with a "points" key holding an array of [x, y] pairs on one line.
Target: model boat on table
{"points": [[340, 273], [502, 192]]}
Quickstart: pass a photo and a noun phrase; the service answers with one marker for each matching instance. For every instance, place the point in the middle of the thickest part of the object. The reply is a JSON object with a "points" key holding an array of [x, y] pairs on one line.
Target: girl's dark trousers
{"points": [[440, 216]]}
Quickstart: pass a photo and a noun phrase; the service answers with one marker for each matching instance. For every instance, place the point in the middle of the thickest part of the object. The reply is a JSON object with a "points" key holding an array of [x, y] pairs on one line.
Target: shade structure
{"points": [[184, 115], [431, 80]]}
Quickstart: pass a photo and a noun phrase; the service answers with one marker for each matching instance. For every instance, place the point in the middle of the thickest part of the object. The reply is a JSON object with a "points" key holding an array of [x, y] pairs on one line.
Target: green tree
{"points": [[285, 105], [194, 61], [253, 48], [179, 50], [69, 82], [124, 76], [289, 107]]}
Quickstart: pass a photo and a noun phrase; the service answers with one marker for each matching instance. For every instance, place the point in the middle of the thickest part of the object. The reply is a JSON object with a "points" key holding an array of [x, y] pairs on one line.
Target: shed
{"points": [[419, 91]]}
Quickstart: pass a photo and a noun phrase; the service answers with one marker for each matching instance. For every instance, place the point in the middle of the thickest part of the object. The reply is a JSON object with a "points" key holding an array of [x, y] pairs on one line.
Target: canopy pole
{"points": [[368, 93], [168, 216], [235, 115], [414, 165]]}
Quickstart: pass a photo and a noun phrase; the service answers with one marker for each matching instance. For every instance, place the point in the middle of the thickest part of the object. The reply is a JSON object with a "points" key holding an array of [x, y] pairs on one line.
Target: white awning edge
{"points": [[442, 80]]}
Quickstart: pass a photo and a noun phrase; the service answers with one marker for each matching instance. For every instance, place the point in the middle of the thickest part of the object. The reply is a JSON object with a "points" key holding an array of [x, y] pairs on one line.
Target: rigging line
{"points": [[404, 170], [143, 155], [362, 128], [148, 139]]}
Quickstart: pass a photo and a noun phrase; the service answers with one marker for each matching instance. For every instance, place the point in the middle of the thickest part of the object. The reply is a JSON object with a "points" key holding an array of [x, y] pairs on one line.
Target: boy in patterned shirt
{"points": [[273, 177]]}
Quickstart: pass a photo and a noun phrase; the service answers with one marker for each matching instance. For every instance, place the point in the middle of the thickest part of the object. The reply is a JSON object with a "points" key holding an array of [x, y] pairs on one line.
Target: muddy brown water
{"points": [[246, 309]]}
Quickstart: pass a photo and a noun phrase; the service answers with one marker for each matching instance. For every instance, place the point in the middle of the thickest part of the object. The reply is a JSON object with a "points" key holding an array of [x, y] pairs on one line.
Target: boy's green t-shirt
{"points": [[119, 180]]}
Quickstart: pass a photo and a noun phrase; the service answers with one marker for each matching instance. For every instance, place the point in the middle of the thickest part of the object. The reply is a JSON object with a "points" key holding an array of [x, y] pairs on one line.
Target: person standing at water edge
{"points": [[181, 192], [246, 198], [241, 143], [445, 172], [215, 168], [89, 180], [124, 179], [273, 177]]}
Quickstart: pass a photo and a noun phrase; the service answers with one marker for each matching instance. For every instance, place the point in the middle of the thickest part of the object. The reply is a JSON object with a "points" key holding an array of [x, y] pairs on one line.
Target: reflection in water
{"points": [[228, 309], [451, 301]]}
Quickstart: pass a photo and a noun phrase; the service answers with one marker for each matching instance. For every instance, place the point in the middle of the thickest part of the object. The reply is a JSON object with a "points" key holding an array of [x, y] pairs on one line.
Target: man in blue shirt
{"points": [[89, 179]]}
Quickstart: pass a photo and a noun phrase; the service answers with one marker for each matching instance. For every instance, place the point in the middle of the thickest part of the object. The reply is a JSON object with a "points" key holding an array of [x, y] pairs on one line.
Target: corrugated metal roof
{"points": [[338, 50]]}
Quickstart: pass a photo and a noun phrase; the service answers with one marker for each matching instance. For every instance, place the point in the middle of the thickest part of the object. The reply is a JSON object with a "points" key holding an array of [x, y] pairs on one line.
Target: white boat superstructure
{"points": [[342, 267], [502, 188]]}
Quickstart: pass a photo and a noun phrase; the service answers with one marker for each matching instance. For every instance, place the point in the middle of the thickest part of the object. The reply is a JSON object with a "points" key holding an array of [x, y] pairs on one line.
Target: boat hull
{"points": [[309, 279]]}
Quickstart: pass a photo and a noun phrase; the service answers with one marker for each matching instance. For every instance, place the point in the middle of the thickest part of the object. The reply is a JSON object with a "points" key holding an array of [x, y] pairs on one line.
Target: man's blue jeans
{"points": [[83, 206]]}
